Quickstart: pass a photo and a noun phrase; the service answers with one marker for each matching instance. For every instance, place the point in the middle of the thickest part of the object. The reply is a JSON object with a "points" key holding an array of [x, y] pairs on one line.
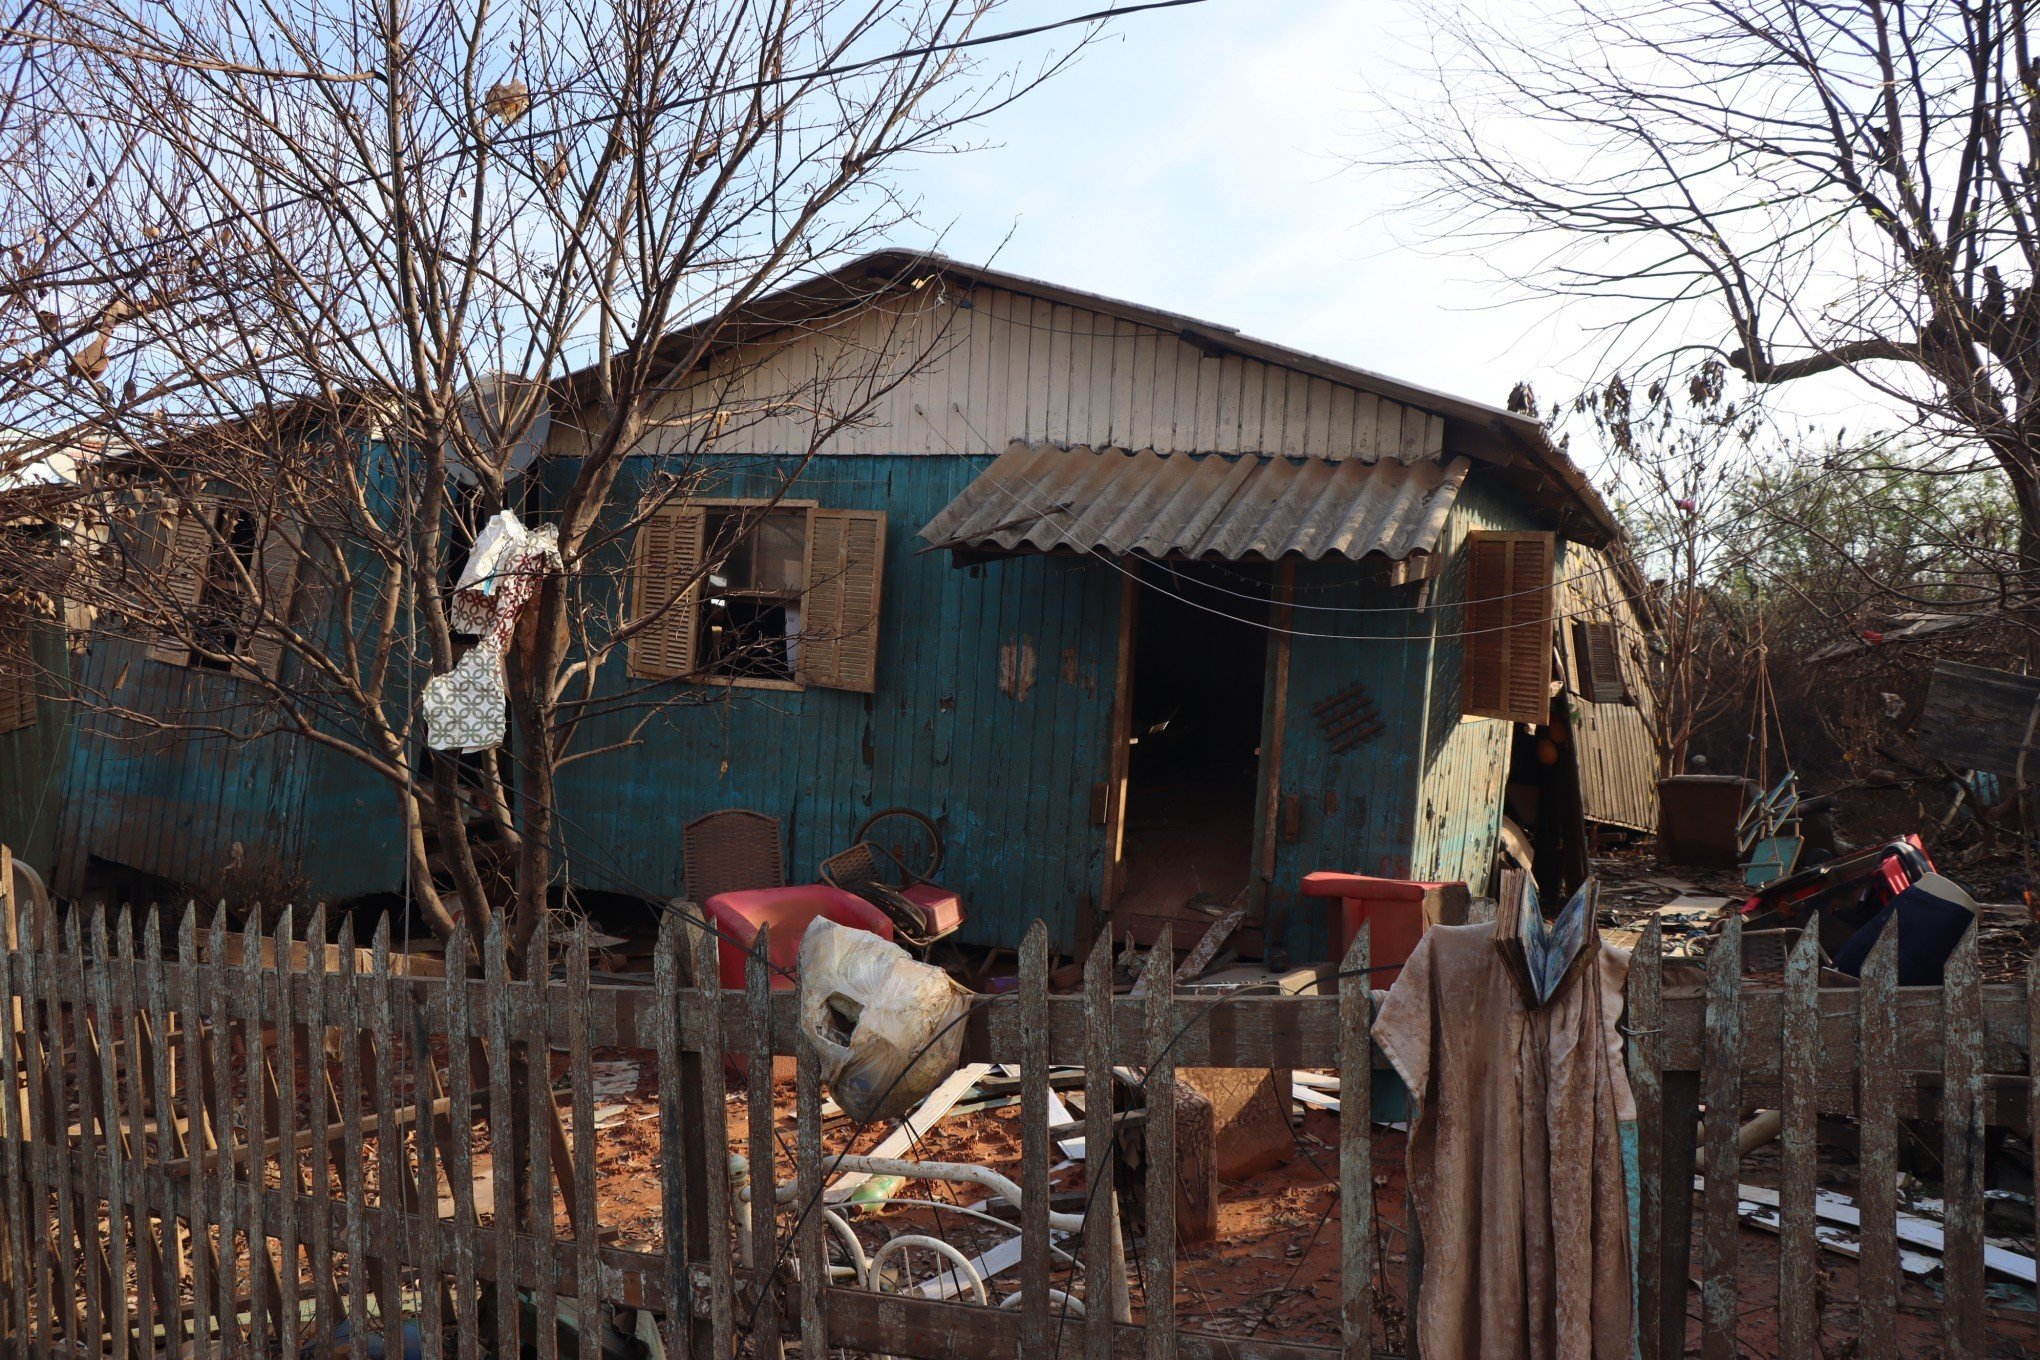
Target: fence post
{"points": [[1159, 1321], [765, 1330], [1356, 1150], [708, 1149], [1034, 1143], [1644, 1026], [1798, 1079], [1722, 1058], [1962, 1128]]}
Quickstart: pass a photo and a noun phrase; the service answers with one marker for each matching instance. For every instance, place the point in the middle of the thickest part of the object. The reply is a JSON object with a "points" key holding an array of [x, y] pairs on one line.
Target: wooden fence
{"points": [[182, 1172]]}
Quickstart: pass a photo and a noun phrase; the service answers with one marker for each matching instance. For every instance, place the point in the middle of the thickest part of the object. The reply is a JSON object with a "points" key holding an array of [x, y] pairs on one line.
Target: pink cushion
{"points": [[941, 909], [737, 916]]}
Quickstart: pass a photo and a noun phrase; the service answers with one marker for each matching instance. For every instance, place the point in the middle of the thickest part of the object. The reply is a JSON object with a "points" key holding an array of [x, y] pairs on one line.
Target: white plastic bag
{"points": [[889, 1029]]}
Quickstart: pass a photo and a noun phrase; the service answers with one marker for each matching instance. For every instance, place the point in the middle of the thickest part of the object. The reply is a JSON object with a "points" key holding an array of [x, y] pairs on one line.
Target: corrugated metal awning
{"points": [[1047, 499]]}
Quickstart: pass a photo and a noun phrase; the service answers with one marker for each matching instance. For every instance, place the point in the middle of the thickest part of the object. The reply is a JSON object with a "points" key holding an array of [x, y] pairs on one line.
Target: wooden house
{"points": [[1150, 617]]}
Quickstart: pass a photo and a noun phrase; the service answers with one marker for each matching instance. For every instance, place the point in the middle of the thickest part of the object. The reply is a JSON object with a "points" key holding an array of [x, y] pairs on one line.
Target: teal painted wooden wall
{"points": [[32, 758], [1006, 769]]}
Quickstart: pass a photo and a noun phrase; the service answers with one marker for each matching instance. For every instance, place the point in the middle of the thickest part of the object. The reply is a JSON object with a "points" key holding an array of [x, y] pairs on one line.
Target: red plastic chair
{"points": [[737, 916]]}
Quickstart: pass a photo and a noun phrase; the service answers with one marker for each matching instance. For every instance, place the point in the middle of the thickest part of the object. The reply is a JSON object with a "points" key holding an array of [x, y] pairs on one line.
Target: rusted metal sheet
{"points": [[1614, 742], [1045, 498]]}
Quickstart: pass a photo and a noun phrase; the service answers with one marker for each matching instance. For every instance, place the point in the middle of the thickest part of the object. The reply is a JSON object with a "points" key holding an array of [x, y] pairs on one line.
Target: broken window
{"points": [[750, 592], [234, 578], [1508, 625]]}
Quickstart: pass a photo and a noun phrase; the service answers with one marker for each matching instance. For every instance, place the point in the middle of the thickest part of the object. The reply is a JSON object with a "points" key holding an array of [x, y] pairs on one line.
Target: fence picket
{"points": [[1356, 1150], [353, 1165], [460, 1162], [254, 1134], [84, 1067], [389, 1142], [587, 1310], [765, 1326], [155, 1313], [424, 1188], [1723, 1066], [811, 1248], [198, 1136], [673, 1130], [496, 1029], [1159, 1320], [122, 1228], [226, 1264], [324, 1108], [1798, 1255], [157, 1079], [16, 1191], [705, 955], [1104, 1262], [540, 1113], [1644, 1028], [41, 1139], [290, 1175], [1034, 1142], [1877, 1122], [1962, 1116]]}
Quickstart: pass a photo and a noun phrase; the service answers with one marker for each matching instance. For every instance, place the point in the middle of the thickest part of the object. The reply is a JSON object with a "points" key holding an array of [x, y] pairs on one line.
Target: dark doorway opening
{"points": [[1199, 667]]}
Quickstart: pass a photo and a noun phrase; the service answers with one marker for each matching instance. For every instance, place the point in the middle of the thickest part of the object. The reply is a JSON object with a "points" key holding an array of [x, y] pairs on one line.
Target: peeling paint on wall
{"points": [[1016, 668]]}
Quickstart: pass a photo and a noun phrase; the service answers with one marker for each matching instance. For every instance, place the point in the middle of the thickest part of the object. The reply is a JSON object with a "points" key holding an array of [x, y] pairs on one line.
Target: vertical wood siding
{"points": [[32, 757], [1005, 367], [1005, 769], [1617, 752]]}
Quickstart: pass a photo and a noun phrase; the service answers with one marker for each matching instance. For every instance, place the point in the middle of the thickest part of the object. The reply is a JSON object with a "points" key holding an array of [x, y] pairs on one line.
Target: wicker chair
{"points": [[731, 850]]}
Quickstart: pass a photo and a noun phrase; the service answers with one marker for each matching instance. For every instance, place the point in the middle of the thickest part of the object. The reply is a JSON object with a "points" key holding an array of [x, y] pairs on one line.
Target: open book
{"points": [[1538, 954]]}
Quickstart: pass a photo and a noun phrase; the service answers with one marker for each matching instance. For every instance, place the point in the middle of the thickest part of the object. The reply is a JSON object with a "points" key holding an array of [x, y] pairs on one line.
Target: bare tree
{"points": [[1789, 188], [354, 265]]}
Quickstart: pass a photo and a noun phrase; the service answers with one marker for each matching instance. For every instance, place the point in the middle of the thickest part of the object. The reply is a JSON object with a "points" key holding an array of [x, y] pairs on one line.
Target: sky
{"points": [[1201, 159]]}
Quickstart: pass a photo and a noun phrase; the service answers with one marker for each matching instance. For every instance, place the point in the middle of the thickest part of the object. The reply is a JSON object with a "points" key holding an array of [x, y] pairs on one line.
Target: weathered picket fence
{"points": [[165, 1191]]}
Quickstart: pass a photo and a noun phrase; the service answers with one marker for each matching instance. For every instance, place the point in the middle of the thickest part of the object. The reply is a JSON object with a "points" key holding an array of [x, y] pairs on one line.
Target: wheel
{"points": [[910, 837]]}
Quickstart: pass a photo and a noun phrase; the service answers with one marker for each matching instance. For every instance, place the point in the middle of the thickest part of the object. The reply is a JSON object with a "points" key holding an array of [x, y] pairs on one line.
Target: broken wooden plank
{"points": [[1035, 1262], [1161, 1169], [912, 1126], [1909, 1229]]}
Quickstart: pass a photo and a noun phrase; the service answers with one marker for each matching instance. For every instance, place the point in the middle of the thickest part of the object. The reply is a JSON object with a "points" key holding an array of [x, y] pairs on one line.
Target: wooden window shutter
{"points": [[275, 569], [1599, 662], [839, 610], [184, 546], [17, 672], [1508, 626], [665, 582]]}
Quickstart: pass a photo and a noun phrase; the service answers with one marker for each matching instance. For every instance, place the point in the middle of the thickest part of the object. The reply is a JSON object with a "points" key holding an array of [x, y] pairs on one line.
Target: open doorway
{"points": [[1199, 666]]}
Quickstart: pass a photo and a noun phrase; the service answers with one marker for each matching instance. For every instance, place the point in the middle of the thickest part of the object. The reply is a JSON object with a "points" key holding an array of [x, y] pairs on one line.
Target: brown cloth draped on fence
{"points": [[1515, 1158]]}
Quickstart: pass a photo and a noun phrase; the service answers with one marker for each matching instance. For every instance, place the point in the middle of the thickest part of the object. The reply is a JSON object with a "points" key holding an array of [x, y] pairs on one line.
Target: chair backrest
{"points": [[731, 850], [851, 869]]}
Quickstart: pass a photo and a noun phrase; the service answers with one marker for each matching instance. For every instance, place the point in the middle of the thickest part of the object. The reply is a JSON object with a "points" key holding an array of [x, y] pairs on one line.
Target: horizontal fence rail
{"points": [[233, 1142]]}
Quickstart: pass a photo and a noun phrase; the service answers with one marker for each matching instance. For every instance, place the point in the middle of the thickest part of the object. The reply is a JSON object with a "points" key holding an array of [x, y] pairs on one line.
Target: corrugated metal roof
{"points": [[1047, 498]]}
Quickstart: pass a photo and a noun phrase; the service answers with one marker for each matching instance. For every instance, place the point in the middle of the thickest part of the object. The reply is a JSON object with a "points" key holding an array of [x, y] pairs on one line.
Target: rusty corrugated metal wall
{"points": [[1617, 750]]}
